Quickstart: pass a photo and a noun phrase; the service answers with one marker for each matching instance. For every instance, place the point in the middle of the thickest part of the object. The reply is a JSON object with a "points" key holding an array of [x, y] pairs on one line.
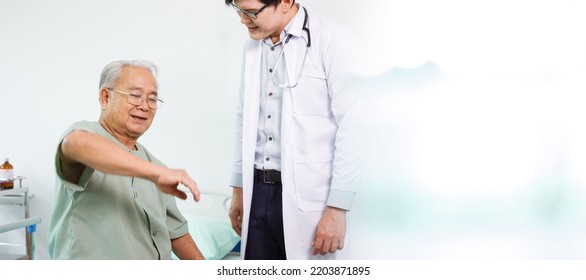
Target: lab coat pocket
{"points": [[310, 96], [313, 176]]}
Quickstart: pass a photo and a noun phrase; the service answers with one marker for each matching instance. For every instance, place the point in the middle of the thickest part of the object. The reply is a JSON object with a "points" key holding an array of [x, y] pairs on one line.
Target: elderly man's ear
{"points": [[104, 95]]}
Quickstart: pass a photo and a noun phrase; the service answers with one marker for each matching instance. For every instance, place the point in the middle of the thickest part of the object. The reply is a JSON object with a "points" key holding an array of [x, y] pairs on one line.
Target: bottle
{"points": [[6, 175]]}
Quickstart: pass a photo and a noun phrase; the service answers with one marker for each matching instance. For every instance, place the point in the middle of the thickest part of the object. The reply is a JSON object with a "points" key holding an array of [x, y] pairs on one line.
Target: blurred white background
{"points": [[474, 115]]}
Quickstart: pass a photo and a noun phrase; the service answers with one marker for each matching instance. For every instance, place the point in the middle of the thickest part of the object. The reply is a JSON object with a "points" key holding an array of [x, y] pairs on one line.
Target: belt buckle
{"points": [[264, 177]]}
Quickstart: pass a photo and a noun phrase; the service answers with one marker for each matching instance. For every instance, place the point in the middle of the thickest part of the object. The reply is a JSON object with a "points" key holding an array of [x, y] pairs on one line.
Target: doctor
{"points": [[295, 170]]}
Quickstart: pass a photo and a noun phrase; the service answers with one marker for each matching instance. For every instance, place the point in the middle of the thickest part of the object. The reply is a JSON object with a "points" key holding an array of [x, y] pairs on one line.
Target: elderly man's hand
{"points": [[169, 180]]}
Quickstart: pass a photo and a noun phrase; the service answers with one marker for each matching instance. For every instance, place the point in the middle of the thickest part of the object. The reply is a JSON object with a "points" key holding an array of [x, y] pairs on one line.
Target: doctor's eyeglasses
{"points": [[136, 99], [251, 15]]}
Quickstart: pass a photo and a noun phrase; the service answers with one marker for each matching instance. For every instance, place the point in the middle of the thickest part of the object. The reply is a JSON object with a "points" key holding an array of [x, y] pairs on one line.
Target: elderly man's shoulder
{"points": [[89, 126], [84, 125]]}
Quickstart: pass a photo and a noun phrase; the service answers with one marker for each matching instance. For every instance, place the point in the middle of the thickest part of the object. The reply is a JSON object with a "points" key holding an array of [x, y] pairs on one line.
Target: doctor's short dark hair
{"points": [[266, 2]]}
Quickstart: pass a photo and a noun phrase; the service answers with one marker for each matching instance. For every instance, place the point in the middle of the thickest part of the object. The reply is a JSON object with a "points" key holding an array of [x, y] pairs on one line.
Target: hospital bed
{"points": [[19, 196], [29, 224], [209, 225]]}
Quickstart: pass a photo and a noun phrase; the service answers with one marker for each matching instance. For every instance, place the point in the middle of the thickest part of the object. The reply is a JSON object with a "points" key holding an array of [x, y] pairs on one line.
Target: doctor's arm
{"points": [[342, 59], [236, 210]]}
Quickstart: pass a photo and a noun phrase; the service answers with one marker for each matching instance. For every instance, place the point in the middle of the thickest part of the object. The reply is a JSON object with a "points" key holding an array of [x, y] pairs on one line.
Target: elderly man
{"points": [[114, 199]]}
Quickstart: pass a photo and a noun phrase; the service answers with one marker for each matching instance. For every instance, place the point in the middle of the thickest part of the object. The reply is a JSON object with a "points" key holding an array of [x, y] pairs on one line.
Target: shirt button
{"points": [[154, 233], [272, 48], [270, 94], [270, 138], [270, 70], [267, 159], [269, 116]]}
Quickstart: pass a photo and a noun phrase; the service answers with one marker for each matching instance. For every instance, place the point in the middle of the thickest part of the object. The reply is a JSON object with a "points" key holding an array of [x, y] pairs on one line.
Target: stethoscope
{"points": [[273, 75]]}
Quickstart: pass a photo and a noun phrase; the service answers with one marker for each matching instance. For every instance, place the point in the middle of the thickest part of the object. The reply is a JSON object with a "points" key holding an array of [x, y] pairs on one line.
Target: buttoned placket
{"points": [[268, 149]]}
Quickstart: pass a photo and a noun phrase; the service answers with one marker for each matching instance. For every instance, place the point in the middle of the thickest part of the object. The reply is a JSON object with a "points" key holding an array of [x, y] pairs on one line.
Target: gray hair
{"points": [[112, 71]]}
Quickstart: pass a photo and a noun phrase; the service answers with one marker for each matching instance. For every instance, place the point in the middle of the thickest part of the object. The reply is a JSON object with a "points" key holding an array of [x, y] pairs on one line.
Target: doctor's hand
{"points": [[169, 179], [331, 231], [236, 211]]}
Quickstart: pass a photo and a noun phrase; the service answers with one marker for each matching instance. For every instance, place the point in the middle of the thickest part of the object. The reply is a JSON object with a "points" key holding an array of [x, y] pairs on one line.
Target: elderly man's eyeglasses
{"points": [[136, 99], [251, 15]]}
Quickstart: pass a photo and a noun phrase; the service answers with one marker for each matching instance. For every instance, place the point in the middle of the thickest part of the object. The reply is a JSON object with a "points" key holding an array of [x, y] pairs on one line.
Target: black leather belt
{"points": [[269, 176]]}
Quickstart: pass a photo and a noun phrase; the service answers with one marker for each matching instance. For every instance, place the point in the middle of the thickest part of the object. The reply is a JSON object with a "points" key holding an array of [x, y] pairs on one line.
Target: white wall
{"points": [[484, 162]]}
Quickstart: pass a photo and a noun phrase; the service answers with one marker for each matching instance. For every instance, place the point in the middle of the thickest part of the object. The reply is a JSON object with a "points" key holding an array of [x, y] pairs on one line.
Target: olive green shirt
{"points": [[108, 216]]}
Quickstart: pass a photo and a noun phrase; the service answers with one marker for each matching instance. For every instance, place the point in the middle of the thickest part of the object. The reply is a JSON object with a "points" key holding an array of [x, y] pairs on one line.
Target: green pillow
{"points": [[215, 238]]}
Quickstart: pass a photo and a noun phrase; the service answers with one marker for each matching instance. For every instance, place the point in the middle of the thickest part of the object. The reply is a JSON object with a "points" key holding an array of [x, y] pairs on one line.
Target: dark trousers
{"points": [[266, 240]]}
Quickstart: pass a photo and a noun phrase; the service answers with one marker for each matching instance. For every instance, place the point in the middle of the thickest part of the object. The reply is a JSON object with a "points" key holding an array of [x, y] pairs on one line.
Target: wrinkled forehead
{"points": [[137, 78]]}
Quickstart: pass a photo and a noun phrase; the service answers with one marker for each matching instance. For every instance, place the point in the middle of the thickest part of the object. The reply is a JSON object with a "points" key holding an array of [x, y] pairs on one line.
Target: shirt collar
{"points": [[294, 27]]}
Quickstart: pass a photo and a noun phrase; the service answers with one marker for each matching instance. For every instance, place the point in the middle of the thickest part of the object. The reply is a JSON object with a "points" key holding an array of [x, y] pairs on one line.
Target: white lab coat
{"points": [[318, 159]]}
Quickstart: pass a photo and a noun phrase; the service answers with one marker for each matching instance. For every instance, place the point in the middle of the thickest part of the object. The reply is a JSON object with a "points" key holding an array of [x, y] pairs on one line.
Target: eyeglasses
{"points": [[136, 99], [251, 15]]}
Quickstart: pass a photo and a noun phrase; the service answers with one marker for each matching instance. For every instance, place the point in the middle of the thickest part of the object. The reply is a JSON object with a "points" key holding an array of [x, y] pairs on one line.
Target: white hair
{"points": [[112, 71]]}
